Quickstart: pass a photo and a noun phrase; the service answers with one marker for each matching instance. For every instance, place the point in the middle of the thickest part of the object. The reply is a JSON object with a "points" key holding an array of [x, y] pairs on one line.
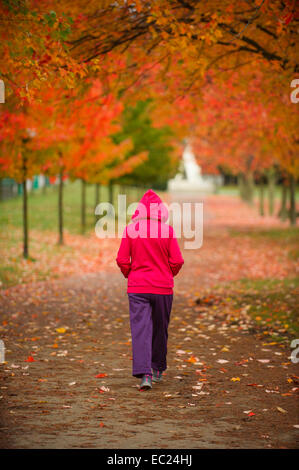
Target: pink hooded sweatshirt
{"points": [[149, 254]]}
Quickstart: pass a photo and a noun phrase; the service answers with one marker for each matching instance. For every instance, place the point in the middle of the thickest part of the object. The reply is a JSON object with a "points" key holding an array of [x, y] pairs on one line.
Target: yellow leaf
{"points": [[61, 330], [235, 379], [281, 409]]}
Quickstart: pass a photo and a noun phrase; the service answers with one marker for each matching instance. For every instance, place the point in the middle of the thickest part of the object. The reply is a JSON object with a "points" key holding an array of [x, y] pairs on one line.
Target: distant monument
{"points": [[189, 177]]}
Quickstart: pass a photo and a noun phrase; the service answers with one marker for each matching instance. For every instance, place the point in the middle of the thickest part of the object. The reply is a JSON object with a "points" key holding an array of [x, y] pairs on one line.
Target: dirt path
{"points": [[77, 328]]}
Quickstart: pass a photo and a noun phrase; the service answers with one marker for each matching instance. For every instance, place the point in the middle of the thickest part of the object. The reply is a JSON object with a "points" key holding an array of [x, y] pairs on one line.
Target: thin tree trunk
{"points": [[283, 212], [271, 189], [25, 209], [246, 187], [262, 199], [292, 200], [97, 197], [110, 188], [83, 206], [25, 221], [249, 187], [60, 207], [97, 194], [241, 185]]}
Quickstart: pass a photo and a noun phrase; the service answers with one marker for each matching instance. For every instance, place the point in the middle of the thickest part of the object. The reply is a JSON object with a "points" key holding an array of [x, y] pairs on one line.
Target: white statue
{"points": [[189, 178], [193, 171]]}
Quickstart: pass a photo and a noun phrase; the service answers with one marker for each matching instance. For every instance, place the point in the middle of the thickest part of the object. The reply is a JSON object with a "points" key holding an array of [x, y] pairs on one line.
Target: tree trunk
{"points": [[45, 188], [97, 194], [250, 187], [110, 188], [25, 221], [97, 197], [25, 209], [60, 207], [241, 185], [271, 189], [83, 206], [262, 199], [246, 186], [292, 200], [283, 212]]}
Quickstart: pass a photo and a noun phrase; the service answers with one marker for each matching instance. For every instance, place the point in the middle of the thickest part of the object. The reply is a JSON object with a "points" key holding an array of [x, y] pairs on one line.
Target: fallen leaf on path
{"points": [[30, 359], [61, 330], [198, 386], [281, 409], [192, 359]]}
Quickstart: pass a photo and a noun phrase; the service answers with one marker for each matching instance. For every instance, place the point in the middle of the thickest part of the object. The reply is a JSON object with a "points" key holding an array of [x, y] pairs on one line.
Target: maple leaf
{"points": [[30, 359]]}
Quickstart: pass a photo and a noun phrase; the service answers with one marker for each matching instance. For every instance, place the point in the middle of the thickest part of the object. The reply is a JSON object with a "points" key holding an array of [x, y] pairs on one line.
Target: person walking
{"points": [[149, 257]]}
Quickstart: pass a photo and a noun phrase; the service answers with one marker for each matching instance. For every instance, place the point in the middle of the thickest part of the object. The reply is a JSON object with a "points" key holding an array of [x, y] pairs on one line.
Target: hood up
{"points": [[151, 206]]}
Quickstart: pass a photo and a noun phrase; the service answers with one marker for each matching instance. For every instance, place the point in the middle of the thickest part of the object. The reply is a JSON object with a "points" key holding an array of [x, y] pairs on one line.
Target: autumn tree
{"points": [[19, 158], [159, 166]]}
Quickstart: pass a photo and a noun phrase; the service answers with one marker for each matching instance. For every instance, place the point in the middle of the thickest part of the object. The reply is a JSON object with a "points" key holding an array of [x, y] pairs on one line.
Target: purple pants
{"points": [[149, 319]]}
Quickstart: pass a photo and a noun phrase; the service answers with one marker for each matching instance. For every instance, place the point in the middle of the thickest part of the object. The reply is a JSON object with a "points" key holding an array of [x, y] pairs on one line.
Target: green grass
{"points": [[230, 190], [233, 190], [43, 208], [271, 303], [288, 234], [43, 230], [9, 275]]}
